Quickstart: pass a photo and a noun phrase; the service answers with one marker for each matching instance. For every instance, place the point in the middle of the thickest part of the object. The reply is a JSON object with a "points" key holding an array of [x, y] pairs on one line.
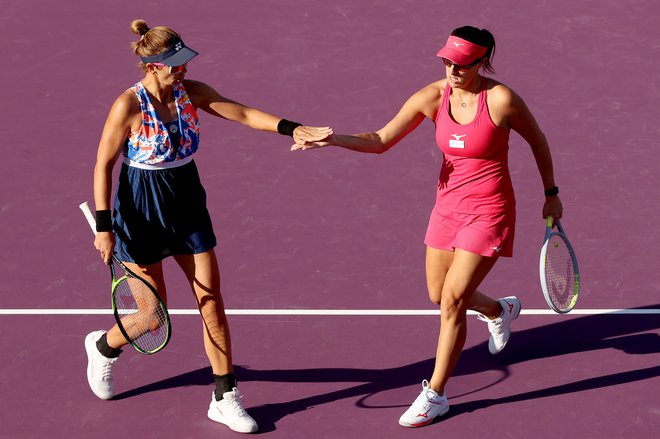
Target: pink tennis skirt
{"points": [[483, 234]]}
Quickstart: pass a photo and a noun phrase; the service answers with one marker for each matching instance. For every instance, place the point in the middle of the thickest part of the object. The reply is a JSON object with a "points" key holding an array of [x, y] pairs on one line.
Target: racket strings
{"points": [[141, 314], [559, 272]]}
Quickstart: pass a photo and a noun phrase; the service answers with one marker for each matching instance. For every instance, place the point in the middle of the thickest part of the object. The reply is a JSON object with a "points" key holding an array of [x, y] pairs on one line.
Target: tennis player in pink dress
{"points": [[473, 220]]}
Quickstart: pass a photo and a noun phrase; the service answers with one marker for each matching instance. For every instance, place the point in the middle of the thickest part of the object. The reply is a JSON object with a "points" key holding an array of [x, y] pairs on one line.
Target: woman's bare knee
{"points": [[453, 305], [437, 264], [435, 295]]}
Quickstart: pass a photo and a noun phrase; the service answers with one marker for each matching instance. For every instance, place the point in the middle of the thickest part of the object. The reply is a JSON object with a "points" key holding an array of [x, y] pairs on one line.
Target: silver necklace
{"points": [[463, 104]]}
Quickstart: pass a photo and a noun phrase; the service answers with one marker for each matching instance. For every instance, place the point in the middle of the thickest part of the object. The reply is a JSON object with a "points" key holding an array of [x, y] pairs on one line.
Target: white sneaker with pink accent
{"points": [[229, 411], [428, 406], [500, 328]]}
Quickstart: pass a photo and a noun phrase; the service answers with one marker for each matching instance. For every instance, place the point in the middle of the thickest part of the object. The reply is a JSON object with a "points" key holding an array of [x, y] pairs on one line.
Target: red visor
{"points": [[461, 51]]}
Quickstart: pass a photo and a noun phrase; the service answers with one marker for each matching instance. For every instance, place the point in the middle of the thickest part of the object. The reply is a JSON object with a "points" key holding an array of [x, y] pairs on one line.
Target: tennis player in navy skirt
{"points": [[160, 205]]}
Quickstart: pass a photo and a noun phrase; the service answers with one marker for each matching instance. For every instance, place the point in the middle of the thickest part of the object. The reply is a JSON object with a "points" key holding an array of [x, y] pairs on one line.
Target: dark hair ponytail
{"points": [[482, 37]]}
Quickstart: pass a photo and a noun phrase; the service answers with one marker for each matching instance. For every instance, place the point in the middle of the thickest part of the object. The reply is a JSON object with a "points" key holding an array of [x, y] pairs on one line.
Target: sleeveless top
{"points": [[475, 174], [157, 145]]}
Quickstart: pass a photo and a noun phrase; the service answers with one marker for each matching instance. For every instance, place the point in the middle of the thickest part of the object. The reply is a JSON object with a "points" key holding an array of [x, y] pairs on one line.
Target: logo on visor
{"points": [[458, 44], [178, 46]]}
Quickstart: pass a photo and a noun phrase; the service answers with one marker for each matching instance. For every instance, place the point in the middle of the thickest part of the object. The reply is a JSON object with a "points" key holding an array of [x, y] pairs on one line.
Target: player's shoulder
{"points": [[126, 103], [431, 92], [199, 92], [499, 93], [435, 88], [427, 99], [193, 86]]}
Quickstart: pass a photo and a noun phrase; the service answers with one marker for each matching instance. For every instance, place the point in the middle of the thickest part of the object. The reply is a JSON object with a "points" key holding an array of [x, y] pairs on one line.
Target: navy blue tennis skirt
{"points": [[159, 213]]}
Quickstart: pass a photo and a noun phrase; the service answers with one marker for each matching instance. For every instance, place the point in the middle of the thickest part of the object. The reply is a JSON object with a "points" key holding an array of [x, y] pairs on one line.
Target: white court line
{"points": [[322, 312]]}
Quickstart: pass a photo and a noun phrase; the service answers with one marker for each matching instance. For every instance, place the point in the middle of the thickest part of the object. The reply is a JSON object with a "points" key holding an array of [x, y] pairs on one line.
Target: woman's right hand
{"points": [[553, 207], [311, 145], [105, 244]]}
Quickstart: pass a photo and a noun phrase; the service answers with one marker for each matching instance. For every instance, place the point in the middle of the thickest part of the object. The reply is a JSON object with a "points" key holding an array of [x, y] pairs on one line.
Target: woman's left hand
{"points": [[553, 207]]}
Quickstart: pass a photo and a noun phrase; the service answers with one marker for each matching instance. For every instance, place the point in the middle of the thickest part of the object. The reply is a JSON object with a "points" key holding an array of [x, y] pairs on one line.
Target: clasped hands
{"points": [[310, 137]]}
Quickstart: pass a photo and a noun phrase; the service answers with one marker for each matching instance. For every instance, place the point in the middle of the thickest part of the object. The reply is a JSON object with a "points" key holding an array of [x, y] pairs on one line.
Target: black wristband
{"points": [[286, 127], [103, 221], [552, 191]]}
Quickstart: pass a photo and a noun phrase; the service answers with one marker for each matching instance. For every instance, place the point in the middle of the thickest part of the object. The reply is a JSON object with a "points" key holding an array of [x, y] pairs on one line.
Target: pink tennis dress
{"points": [[475, 207]]}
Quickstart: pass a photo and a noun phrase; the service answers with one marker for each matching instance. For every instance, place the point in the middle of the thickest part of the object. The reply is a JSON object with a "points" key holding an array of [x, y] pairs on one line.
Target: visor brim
{"points": [[180, 58], [177, 54], [456, 56]]}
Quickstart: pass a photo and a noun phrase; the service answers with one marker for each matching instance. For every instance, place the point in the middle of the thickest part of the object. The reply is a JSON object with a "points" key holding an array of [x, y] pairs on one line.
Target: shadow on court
{"points": [[579, 335]]}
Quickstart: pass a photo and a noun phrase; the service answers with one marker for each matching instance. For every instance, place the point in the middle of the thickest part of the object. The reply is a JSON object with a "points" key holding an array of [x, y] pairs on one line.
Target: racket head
{"points": [[559, 273], [140, 313]]}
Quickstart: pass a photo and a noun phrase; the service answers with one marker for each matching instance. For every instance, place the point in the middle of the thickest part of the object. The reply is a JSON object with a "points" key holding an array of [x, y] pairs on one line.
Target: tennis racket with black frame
{"points": [[558, 270], [140, 313]]}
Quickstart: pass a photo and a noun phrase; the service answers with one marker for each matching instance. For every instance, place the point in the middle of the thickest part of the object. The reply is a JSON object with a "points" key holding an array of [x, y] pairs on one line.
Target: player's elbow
{"points": [[381, 144]]}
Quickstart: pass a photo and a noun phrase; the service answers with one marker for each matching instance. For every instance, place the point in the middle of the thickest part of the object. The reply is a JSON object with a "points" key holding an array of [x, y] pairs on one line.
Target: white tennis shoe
{"points": [[500, 328], [428, 406], [99, 368], [229, 411]]}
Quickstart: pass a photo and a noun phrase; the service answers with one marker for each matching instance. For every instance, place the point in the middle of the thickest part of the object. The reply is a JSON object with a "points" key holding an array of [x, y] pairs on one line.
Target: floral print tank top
{"points": [[158, 144]]}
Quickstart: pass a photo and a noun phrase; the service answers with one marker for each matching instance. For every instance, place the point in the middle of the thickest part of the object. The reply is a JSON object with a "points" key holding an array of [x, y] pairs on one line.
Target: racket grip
{"points": [[548, 221], [88, 215]]}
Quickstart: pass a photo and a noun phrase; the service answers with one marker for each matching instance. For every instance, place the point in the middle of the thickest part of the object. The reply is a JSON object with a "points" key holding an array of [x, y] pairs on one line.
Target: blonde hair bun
{"points": [[139, 27]]}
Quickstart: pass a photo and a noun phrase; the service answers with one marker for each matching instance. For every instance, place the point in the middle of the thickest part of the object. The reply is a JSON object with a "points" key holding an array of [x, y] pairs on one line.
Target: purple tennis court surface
{"points": [[333, 230]]}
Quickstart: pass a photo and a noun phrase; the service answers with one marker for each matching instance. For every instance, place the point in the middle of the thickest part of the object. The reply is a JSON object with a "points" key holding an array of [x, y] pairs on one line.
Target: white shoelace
{"points": [[429, 395], [236, 406], [106, 370], [425, 392], [494, 326]]}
